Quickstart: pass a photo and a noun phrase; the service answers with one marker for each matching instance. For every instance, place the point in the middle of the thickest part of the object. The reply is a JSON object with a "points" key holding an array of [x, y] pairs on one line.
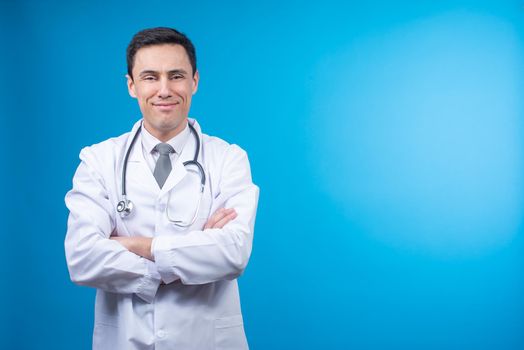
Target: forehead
{"points": [[163, 57]]}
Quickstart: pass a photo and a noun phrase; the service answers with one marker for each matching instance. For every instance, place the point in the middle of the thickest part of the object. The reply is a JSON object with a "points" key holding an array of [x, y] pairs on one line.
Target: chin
{"points": [[167, 125]]}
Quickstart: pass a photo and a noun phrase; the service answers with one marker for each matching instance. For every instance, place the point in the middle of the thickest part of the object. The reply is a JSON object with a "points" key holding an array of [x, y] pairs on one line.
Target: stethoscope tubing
{"points": [[125, 206]]}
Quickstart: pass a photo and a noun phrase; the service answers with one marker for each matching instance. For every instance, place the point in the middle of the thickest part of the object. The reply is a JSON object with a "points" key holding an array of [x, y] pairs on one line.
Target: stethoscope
{"points": [[126, 206]]}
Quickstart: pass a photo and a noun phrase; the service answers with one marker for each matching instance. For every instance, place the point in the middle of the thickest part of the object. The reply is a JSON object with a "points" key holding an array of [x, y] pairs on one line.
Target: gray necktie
{"points": [[163, 164]]}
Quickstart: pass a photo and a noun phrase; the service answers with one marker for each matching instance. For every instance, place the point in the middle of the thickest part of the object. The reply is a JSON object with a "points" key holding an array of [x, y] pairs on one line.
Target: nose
{"points": [[163, 90]]}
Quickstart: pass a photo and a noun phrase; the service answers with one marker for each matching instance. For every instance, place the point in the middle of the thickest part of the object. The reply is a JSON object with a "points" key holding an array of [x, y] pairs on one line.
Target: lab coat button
{"points": [[161, 334]]}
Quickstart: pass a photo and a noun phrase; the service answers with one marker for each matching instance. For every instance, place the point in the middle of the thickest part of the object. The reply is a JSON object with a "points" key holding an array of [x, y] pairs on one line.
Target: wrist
{"points": [[145, 247]]}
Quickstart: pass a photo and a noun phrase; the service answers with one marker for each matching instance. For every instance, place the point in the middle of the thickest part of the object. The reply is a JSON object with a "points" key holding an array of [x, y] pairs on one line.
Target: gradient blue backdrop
{"points": [[387, 139]]}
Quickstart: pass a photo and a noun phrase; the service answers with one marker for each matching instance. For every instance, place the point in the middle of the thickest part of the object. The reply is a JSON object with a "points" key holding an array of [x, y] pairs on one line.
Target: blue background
{"points": [[387, 139]]}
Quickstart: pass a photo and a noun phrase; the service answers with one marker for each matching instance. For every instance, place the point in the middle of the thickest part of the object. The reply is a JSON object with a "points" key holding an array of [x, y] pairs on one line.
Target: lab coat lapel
{"points": [[138, 172], [178, 172]]}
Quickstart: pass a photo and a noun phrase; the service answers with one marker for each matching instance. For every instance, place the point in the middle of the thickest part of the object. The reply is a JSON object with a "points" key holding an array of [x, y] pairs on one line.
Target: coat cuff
{"points": [[149, 286], [163, 259]]}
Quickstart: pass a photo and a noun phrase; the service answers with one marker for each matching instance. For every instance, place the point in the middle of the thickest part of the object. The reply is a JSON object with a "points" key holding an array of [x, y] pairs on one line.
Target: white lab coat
{"points": [[197, 306]]}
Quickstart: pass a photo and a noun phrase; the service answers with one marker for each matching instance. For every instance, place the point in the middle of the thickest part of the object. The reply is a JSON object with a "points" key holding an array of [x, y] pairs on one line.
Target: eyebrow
{"points": [[153, 72]]}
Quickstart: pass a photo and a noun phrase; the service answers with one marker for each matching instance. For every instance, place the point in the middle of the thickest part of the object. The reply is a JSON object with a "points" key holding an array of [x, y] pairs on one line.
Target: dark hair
{"points": [[159, 36]]}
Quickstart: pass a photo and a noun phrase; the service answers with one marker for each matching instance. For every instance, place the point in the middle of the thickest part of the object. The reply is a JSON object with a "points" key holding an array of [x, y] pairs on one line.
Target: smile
{"points": [[164, 106]]}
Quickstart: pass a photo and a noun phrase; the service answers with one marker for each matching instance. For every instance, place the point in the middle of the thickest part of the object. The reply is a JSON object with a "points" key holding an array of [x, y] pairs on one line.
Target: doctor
{"points": [[163, 252]]}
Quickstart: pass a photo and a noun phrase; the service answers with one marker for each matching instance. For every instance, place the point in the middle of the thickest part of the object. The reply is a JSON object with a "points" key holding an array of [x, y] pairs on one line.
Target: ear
{"points": [[196, 78], [131, 86]]}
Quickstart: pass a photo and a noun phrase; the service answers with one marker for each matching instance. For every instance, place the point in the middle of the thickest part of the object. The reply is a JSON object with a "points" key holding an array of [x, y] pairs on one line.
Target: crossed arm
{"points": [[125, 265], [142, 245]]}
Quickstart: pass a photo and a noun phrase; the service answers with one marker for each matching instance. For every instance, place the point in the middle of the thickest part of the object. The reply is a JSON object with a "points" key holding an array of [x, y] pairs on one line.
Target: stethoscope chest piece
{"points": [[124, 207]]}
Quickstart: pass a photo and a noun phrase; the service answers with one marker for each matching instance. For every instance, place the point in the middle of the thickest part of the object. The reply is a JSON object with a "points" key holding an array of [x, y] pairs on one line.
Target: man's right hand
{"points": [[220, 218]]}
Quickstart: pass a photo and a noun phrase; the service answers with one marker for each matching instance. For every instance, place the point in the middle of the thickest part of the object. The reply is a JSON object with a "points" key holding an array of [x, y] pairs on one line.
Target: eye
{"points": [[177, 76], [149, 78]]}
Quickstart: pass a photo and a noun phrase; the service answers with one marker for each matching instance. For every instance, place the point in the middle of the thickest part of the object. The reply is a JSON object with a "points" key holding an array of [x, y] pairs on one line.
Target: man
{"points": [[140, 229]]}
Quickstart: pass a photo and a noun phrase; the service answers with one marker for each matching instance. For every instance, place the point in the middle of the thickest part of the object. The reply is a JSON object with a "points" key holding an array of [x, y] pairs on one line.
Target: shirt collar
{"points": [[149, 141]]}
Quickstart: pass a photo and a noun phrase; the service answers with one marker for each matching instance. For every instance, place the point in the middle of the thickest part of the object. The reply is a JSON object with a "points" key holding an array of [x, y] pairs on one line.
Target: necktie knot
{"points": [[164, 148]]}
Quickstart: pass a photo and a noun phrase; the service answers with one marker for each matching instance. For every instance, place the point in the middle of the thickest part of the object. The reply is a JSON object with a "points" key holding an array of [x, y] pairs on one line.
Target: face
{"points": [[163, 84]]}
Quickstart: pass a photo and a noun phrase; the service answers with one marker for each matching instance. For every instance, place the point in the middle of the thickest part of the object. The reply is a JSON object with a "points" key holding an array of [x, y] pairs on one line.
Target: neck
{"points": [[165, 135]]}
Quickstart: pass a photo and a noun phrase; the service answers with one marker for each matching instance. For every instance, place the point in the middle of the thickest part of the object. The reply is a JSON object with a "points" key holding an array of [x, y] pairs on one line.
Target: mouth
{"points": [[165, 106]]}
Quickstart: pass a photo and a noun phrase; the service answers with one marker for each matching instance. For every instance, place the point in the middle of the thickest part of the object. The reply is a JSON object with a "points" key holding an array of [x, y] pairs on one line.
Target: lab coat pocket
{"points": [[105, 337], [106, 309], [106, 320], [229, 333], [106, 332]]}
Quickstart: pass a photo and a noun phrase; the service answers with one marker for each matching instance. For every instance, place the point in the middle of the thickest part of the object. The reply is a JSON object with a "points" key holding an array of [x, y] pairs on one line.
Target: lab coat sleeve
{"points": [[92, 258], [211, 255]]}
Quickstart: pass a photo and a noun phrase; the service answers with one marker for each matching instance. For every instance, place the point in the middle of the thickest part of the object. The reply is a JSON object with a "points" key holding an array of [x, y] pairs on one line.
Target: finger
{"points": [[226, 219], [217, 216], [222, 222], [211, 220]]}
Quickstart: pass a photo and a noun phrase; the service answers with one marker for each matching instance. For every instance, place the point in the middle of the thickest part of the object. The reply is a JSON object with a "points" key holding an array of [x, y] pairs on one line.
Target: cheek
{"points": [[185, 90], [145, 107], [142, 101], [146, 92], [189, 95]]}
